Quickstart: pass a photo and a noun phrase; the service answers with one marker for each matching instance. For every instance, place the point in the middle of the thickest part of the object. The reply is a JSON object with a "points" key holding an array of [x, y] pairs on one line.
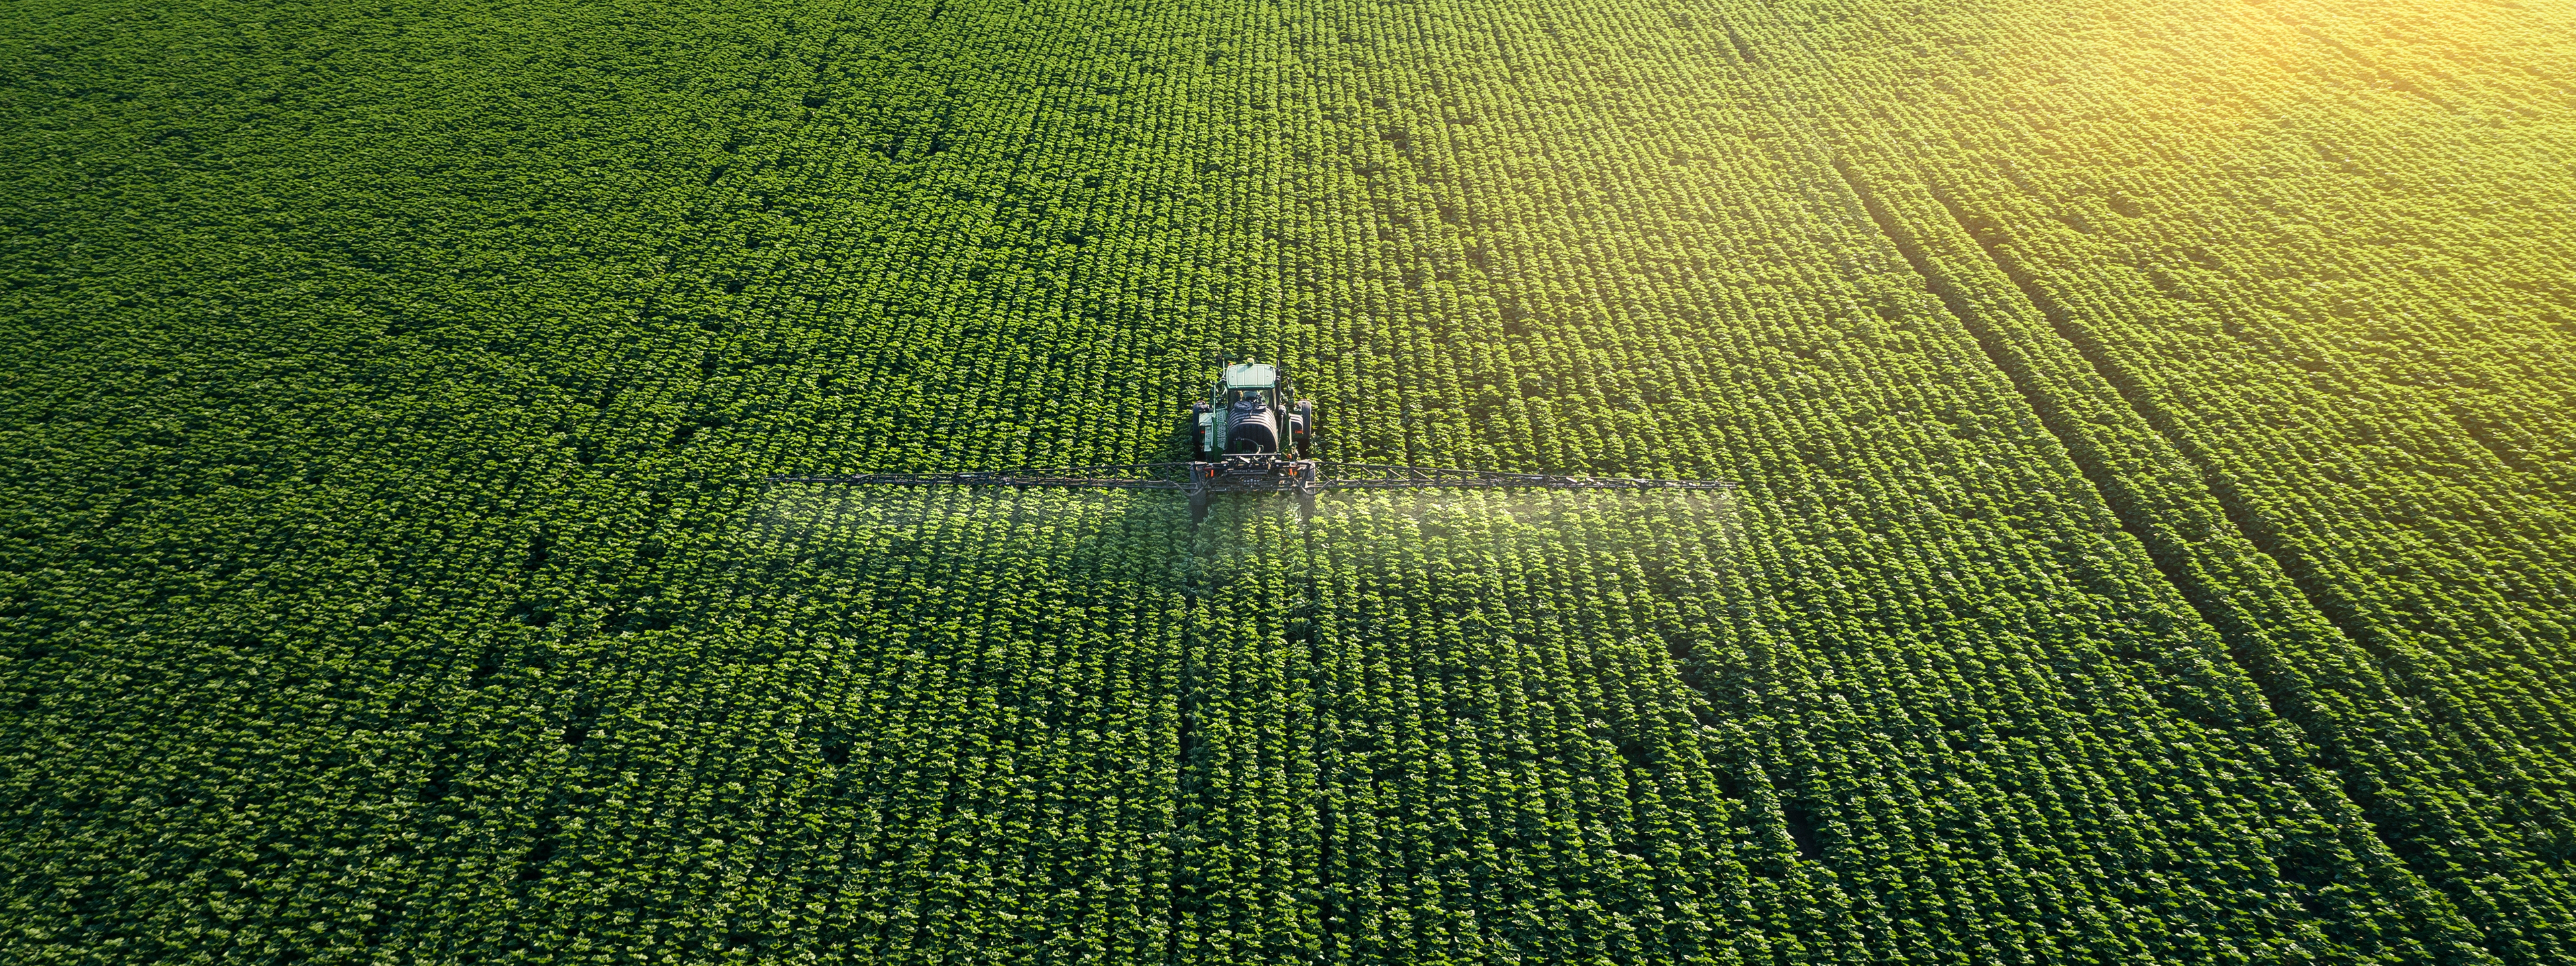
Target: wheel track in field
{"points": [[2160, 488]]}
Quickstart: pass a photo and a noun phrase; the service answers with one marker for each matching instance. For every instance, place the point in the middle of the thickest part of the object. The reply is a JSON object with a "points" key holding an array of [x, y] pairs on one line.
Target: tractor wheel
{"points": [[1191, 440]]}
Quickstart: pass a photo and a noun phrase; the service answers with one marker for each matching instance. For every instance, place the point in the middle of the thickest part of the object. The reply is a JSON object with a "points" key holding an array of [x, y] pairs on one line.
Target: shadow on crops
{"points": [[972, 685]]}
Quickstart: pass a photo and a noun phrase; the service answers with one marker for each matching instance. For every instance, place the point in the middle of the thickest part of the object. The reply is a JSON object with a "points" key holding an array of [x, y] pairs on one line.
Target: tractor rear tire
{"points": [[1188, 437]]}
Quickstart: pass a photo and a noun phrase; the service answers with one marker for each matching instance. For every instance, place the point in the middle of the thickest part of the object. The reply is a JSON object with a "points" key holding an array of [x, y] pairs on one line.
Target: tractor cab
{"points": [[1250, 411], [1248, 380]]}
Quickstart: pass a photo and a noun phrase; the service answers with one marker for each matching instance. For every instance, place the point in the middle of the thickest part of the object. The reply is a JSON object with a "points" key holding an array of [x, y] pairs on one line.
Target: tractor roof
{"points": [[1251, 375]]}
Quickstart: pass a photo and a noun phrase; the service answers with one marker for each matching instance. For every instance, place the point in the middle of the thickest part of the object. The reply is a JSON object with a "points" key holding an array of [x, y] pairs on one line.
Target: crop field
{"points": [[2153, 422]]}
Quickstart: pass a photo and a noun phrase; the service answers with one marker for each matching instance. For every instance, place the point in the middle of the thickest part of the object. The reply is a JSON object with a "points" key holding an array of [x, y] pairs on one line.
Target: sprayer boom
{"points": [[1259, 473], [1253, 435]]}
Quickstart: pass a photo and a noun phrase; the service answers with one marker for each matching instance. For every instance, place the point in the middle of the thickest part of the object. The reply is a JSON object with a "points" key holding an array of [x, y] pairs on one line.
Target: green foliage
{"points": [[2152, 542]]}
